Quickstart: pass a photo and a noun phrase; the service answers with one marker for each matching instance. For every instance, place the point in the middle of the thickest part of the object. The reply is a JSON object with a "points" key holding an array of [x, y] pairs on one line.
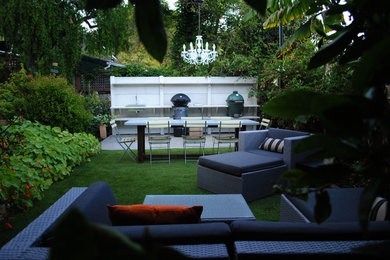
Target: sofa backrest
{"points": [[177, 234], [93, 202], [283, 133]]}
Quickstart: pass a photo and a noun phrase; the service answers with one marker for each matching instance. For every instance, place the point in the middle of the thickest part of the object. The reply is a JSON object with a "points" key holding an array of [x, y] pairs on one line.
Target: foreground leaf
{"points": [[150, 27], [258, 5], [301, 34], [76, 239], [101, 4], [322, 208], [301, 102], [330, 51], [326, 146], [373, 66]]}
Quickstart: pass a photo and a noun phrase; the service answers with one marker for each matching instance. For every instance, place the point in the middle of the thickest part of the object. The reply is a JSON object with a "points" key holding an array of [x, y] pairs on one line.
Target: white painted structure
{"points": [[151, 96]]}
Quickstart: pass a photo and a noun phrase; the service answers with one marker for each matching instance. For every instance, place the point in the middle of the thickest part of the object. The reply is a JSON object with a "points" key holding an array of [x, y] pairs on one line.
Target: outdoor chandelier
{"points": [[199, 55]]}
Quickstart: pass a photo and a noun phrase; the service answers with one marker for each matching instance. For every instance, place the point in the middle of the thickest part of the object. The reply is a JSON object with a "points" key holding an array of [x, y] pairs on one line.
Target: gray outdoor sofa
{"points": [[237, 240], [250, 171], [210, 240], [297, 233]]}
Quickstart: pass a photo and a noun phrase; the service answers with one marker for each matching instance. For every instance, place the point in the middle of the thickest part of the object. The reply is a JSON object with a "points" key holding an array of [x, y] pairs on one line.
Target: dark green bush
{"points": [[48, 100]]}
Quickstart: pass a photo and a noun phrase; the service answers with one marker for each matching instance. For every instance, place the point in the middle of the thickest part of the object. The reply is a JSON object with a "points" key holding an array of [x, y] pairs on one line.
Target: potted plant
{"points": [[103, 120]]}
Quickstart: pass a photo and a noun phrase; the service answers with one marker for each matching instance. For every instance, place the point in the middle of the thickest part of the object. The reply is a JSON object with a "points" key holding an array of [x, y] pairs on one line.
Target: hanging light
{"points": [[199, 55]]}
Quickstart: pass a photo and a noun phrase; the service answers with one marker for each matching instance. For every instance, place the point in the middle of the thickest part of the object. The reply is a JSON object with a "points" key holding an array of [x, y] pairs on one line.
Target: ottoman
{"points": [[249, 174]]}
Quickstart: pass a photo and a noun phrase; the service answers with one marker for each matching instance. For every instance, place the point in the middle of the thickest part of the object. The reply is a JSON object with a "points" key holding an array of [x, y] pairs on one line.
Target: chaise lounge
{"points": [[255, 168]]}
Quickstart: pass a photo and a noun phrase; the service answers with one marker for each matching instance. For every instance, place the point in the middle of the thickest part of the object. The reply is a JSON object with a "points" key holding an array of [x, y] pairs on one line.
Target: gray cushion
{"points": [[236, 163]]}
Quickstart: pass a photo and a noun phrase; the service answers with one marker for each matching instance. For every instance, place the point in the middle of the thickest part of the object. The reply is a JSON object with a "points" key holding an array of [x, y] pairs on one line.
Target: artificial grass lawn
{"points": [[131, 182]]}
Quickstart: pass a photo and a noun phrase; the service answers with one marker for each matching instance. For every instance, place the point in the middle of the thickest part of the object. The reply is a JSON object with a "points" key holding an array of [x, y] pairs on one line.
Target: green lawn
{"points": [[130, 182]]}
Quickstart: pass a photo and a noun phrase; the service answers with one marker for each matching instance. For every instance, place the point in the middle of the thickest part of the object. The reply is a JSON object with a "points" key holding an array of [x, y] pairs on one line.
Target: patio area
{"points": [[176, 143], [313, 184]]}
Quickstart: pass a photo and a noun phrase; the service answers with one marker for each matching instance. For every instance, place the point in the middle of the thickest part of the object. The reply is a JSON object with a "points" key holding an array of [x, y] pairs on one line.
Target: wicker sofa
{"points": [[297, 234], [216, 240], [201, 240], [250, 171]]}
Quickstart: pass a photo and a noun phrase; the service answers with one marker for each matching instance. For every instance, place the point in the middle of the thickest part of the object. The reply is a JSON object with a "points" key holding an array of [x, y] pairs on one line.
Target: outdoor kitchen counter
{"points": [[141, 125]]}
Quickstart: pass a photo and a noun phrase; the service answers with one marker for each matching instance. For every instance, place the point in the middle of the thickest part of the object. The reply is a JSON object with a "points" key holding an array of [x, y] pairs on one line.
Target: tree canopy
{"points": [[47, 31]]}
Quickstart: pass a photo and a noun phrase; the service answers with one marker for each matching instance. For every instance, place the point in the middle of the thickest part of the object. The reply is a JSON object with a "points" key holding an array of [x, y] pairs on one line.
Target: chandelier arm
{"points": [[198, 18]]}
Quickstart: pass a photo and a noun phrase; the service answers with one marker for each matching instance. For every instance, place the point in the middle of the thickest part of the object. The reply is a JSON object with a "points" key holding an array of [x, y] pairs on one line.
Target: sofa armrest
{"points": [[24, 244], [250, 140], [289, 157]]}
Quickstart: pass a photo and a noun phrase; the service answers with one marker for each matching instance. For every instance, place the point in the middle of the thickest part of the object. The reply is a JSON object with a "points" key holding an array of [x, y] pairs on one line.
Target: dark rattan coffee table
{"points": [[216, 207]]}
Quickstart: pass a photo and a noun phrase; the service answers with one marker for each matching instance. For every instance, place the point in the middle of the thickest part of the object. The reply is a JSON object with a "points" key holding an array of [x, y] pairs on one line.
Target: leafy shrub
{"points": [[290, 72], [99, 107], [48, 100], [34, 156], [137, 71], [7, 108]]}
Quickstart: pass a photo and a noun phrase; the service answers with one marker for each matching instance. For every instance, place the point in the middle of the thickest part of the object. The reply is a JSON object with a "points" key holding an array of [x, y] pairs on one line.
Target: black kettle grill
{"points": [[180, 102]]}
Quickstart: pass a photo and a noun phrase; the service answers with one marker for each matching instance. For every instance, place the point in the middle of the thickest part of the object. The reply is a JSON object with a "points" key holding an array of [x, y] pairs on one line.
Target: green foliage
{"points": [[99, 107], [290, 72], [34, 156], [48, 100], [49, 30], [43, 32], [187, 28], [103, 119], [113, 24], [355, 140], [7, 108], [242, 44], [137, 71]]}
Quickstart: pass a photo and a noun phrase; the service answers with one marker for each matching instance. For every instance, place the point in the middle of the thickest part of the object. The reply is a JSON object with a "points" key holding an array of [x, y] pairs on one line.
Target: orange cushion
{"points": [[139, 214]]}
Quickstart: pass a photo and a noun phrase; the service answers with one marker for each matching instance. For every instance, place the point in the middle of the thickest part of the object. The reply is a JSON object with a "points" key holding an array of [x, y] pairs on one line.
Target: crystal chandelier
{"points": [[199, 55]]}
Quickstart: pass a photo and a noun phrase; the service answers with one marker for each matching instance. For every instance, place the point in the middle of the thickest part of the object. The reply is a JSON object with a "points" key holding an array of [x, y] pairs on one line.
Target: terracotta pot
{"points": [[103, 131]]}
